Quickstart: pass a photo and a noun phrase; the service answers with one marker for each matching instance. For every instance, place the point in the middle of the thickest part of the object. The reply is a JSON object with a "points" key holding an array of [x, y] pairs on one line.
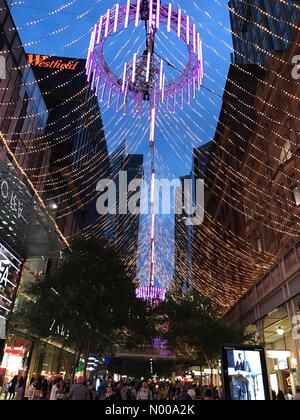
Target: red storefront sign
{"points": [[53, 63]]}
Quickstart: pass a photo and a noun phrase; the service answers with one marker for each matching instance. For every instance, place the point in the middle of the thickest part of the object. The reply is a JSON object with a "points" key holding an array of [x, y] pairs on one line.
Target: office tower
{"points": [[79, 156], [260, 27], [126, 226]]}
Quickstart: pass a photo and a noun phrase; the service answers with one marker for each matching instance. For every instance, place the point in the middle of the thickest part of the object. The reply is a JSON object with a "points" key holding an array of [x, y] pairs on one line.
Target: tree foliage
{"points": [[195, 330], [88, 301]]}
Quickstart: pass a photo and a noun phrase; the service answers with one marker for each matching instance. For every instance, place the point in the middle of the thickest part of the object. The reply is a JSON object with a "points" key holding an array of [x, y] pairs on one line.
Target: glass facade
{"points": [[260, 27]]}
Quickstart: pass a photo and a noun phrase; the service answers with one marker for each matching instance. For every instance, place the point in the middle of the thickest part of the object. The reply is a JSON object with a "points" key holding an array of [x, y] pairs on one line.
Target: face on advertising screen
{"points": [[245, 375]]}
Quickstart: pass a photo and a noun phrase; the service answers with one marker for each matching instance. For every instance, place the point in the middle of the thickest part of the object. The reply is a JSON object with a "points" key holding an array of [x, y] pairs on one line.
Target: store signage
{"points": [[53, 63], [12, 199], [10, 267], [283, 364]]}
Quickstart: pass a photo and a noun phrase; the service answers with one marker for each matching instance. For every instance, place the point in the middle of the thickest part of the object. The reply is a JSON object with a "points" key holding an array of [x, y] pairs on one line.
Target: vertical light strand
{"points": [[179, 23], [103, 91], [134, 67], [124, 77], [148, 67], [100, 30], [127, 14], [188, 30], [110, 96], [194, 38], [161, 75], [138, 9], [152, 197], [94, 38], [169, 17], [163, 89], [116, 17], [189, 92], [107, 23], [151, 13], [158, 14]]}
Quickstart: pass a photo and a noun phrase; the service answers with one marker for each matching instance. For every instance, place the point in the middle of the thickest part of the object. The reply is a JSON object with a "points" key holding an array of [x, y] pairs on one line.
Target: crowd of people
{"points": [[107, 390]]}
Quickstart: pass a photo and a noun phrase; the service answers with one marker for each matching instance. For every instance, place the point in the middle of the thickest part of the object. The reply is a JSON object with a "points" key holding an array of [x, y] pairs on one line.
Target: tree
{"points": [[195, 330], [88, 302]]}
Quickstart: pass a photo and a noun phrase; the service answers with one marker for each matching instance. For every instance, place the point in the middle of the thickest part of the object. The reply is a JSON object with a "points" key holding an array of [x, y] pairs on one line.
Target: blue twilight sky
{"points": [[62, 27]]}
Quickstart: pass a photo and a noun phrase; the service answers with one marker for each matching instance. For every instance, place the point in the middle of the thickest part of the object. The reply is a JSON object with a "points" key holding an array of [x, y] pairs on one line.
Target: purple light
{"points": [[151, 294], [158, 88], [162, 347]]}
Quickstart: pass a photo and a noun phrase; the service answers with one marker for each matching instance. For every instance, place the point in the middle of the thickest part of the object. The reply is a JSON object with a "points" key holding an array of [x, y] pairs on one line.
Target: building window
{"points": [[286, 152], [259, 245], [296, 192]]}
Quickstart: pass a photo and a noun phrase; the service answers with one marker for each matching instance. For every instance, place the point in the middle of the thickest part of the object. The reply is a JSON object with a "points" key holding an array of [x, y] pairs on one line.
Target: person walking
{"points": [[184, 394], [145, 393], [38, 388], [80, 392], [45, 388], [55, 391], [192, 393], [12, 388], [101, 391], [31, 390], [280, 396], [20, 389]]}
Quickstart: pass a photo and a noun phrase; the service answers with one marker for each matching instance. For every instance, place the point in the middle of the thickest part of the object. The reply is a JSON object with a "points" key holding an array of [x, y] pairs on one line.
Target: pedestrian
{"points": [[45, 388], [131, 392], [145, 393], [216, 394], [38, 388], [297, 396], [80, 392], [274, 396], [31, 390], [183, 394], [280, 396], [192, 393], [20, 389], [101, 390], [208, 396], [56, 389], [12, 388]]}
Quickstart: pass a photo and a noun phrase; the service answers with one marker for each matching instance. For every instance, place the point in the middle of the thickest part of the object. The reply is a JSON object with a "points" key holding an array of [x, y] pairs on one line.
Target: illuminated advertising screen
{"points": [[10, 267], [245, 374]]}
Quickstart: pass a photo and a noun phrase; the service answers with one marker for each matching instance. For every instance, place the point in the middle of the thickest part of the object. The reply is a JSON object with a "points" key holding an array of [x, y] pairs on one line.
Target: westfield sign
{"points": [[54, 63]]}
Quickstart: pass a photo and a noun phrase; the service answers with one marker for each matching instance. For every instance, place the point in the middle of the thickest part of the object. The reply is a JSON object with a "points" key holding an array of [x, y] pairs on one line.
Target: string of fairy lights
{"points": [[239, 263]]}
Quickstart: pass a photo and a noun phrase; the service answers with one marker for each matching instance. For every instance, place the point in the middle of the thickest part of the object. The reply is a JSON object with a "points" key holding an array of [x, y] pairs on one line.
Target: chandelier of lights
{"points": [[144, 80]]}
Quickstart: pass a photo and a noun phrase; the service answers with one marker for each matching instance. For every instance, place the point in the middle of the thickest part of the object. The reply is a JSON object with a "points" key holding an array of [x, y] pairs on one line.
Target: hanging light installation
{"points": [[144, 81]]}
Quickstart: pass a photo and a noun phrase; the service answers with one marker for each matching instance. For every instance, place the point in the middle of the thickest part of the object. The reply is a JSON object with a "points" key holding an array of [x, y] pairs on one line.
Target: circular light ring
{"points": [[119, 18]]}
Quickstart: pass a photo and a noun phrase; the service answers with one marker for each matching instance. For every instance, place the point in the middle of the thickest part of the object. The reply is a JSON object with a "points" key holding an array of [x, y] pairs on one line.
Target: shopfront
{"points": [[52, 360], [282, 351], [27, 241]]}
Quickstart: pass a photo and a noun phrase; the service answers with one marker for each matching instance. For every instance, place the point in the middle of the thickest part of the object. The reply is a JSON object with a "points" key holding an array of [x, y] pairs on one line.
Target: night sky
{"points": [[62, 27]]}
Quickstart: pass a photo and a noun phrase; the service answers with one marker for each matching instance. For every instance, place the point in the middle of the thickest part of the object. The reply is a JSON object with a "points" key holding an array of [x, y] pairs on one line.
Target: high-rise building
{"points": [[269, 195], [183, 247], [260, 27], [28, 235], [126, 227], [79, 156]]}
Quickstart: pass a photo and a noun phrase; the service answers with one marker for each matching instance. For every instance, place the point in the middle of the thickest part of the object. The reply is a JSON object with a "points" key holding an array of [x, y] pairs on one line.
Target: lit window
{"points": [[297, 195], [286, 152]]}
